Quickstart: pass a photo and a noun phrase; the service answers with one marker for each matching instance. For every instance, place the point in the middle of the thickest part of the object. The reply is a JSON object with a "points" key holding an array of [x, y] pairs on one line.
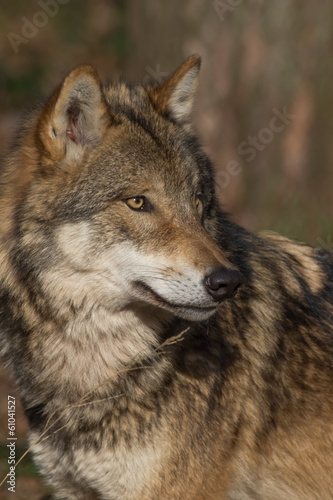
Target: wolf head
{"points": [[117, 199]]}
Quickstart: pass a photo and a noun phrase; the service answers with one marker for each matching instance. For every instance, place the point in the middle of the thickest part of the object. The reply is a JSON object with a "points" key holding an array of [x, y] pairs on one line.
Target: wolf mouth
{"points": [[149, 292]]}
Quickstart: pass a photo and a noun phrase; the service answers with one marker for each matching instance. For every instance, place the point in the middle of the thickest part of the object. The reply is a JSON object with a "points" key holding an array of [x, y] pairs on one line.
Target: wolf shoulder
{"points": [[315, 264]]}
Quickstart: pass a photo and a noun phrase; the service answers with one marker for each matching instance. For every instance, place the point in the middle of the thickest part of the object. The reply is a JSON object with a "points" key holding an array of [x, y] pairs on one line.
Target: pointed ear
{"points": [[175, 96], [75, 117]]}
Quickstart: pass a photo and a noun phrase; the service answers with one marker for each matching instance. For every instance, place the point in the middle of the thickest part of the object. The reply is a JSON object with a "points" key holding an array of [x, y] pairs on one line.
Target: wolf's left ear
{"points": [[75, 117], [175, 96]]}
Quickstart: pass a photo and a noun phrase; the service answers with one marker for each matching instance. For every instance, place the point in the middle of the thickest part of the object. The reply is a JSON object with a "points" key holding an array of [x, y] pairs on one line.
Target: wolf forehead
{"points": [[136, 149]]}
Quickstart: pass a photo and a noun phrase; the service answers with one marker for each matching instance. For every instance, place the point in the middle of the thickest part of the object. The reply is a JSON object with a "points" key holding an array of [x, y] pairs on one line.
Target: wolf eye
{"points": [[138, 203], [199, 205]]}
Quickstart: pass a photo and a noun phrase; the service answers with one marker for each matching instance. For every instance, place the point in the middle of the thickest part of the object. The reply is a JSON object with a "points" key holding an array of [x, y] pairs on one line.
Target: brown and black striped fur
{"points": [[138, 385]]}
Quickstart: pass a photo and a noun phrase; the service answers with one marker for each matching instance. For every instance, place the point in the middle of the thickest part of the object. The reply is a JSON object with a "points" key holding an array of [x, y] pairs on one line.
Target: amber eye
{"points": [[138, 203], [135, 203], [199, 205]]}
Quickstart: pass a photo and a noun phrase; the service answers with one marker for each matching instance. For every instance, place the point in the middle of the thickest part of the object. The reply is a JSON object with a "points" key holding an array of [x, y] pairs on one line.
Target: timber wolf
{"points": [[160, 351]]}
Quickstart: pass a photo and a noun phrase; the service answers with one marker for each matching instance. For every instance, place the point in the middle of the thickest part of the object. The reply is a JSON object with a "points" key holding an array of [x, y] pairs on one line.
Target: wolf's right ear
{"points": [[75, 117], [174, 97]]}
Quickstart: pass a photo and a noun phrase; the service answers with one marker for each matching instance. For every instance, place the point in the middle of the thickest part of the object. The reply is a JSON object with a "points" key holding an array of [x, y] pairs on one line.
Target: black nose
{"points": [[223, 283]]}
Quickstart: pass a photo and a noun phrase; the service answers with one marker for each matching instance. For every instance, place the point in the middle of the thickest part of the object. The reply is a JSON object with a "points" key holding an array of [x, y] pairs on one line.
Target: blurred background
{"points": [[264, 106]]}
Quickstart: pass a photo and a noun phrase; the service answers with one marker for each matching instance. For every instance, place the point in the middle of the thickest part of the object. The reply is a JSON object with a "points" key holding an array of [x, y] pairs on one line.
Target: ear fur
{"points": [[76, 117], [175, 96]]}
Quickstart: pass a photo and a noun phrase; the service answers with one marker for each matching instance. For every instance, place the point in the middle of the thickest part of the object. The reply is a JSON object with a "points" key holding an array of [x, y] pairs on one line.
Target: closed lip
{"points": [[145, 291]]}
